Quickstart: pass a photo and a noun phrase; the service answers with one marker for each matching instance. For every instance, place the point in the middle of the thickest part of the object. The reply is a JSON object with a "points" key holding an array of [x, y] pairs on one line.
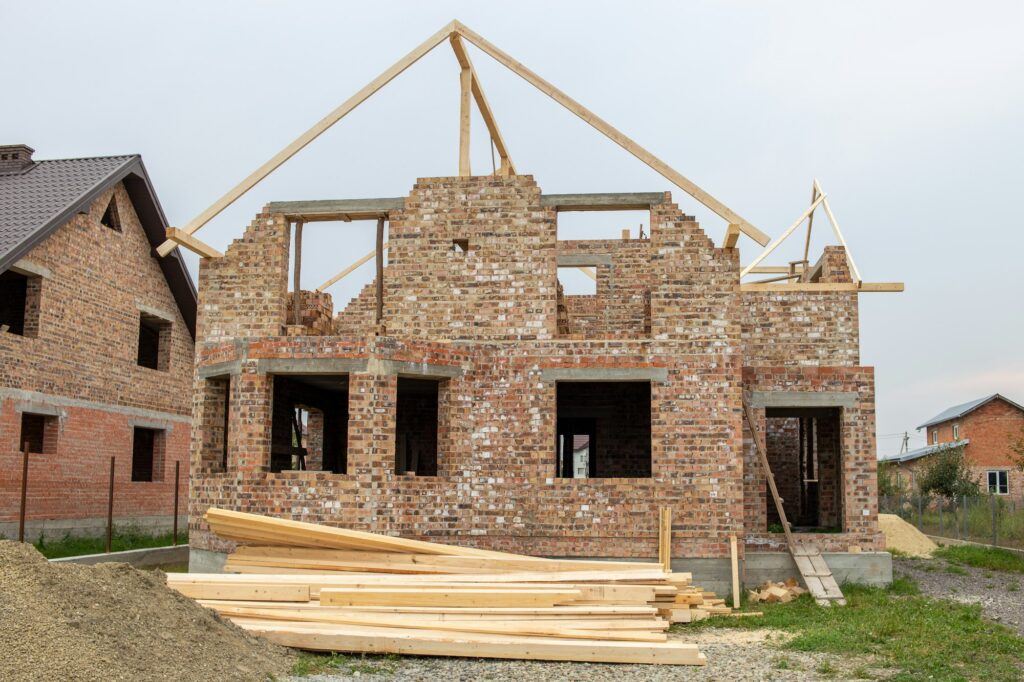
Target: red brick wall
{"points": [[670, 303], [82, 363]]}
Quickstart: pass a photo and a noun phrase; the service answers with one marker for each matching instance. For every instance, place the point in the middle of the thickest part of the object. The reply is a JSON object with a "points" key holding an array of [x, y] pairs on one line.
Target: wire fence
{"points": [[987, 519]]}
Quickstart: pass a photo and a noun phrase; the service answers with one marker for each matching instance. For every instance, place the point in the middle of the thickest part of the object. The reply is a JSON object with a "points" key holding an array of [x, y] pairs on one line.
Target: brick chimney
{"points": [[15, 158]]}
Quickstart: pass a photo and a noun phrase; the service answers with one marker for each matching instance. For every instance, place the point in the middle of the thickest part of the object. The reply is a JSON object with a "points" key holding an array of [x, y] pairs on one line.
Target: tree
{"points": [[947, 475], [1017, 447], [887, 486]]}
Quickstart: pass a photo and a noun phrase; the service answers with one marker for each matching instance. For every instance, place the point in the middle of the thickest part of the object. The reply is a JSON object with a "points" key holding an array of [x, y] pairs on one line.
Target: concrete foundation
{"points": [[139, 558], [92, 526]]}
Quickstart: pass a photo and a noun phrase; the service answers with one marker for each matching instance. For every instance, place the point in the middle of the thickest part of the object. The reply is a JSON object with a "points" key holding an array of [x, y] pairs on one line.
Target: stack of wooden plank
{"points": [[332, 589]]}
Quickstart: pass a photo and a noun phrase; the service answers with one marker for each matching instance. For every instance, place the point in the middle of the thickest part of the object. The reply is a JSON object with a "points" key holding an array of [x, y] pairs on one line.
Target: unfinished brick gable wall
{"points": [[487, 323], [81, 366], [503, 287]]}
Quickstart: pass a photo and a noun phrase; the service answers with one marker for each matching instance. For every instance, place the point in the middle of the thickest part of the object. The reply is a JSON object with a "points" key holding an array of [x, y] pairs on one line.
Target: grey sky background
{"points": [[908, 113]]}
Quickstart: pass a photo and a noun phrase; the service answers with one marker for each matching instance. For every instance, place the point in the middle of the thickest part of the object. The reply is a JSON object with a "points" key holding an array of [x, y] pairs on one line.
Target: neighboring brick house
{"points": [[96, 346], [986, 428], [455, 418]]}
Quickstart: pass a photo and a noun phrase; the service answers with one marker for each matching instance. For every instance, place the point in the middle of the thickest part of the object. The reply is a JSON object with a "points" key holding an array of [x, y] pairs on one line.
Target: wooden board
{"points": [[452, 597], [321, 637], [268, 591]]}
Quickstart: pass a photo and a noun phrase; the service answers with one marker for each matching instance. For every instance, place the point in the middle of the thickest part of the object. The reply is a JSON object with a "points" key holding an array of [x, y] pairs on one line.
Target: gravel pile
{"points": [[114, 622]]}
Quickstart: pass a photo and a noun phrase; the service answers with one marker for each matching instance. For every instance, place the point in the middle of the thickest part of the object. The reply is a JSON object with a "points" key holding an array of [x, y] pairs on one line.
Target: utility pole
{"points": [[905, 445]]}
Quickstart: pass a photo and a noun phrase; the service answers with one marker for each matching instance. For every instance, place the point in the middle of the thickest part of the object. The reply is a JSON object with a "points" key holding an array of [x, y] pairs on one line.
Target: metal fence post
{"points": [[110, 505], [967, 533], [24, 492], [177, 470], [920, 513], [942, 531], [995, 532]]}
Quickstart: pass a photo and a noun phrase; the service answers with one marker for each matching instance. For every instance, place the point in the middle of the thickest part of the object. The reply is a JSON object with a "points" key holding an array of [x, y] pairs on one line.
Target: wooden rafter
{"points": [[782, 237], [839, 234], [507, 168], [453, 29], [614, 135], [318, 129]]}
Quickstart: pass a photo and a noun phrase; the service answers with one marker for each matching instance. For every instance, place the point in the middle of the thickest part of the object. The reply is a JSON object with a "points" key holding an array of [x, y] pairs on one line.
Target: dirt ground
{"points": [[114, 622], [1000, 594], [737, 655]]}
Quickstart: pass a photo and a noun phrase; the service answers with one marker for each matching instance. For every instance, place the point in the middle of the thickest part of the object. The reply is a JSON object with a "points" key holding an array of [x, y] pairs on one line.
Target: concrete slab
{"points": [[140, 558]]}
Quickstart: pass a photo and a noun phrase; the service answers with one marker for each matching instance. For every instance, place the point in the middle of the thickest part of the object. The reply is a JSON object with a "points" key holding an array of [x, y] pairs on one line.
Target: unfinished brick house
{"points": [[463, 397], [96, 346]]}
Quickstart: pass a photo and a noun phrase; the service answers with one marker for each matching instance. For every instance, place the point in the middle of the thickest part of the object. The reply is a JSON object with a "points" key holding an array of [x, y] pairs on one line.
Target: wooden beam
{"points": [[349, 270], [748, 413], [507, 168], [379, 253], [445, 596], [181, 238], [297, 287], [772, 269], [318, 129], [810, 223], [823, 287], [732, 235], [465, 111], [839, 234], [611, 133], [782, 237], [328, 637], [734, 560], [589, 272], [665, 538]]}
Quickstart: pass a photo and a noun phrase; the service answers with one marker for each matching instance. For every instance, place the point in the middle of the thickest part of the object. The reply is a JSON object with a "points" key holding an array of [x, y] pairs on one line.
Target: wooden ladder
{"points": [[812, 566]]}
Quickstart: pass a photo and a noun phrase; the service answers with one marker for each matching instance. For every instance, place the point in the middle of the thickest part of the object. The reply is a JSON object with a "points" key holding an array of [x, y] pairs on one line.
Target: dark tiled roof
{"points": [[961, 410], [31, 199], [36, 201]]}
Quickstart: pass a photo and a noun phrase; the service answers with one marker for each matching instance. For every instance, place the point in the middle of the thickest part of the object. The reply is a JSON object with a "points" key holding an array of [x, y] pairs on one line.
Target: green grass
{"points": [[307, 664], [919, 637], [125, 539], [983, 557]]}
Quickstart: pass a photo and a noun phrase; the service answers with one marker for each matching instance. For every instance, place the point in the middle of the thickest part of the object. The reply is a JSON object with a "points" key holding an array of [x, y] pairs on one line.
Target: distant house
{"points": [[96, 345], [985, 428]]}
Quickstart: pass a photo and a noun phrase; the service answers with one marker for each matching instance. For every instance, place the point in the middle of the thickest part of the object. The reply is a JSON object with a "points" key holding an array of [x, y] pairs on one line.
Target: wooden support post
{"points": [[177, 474], [297, 287], [24, 492], [465, 110], [380, 270], [625, 233], [734, 554], [665, 537], [110, 505], [507, 168], [810, 222]]}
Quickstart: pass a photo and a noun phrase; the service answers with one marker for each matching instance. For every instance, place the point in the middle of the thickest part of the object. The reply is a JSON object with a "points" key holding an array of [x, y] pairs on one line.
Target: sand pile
{"points": [[115, 622], [902, 536]]}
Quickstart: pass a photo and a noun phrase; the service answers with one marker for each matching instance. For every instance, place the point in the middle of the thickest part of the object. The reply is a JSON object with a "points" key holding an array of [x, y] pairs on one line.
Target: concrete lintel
{"points": [[310, 365], [760, 399], [155, 312], [414, 369], [220, 369], [337, 209], [31, 269], [604, 374], [57, 401], [582, 260], [39, 408], [616, 201], [149, 424]]}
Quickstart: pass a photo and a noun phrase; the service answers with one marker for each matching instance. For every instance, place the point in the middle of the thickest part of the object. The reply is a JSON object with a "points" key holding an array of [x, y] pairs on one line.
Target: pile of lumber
{"points": [[772, 593], [332, 589]]}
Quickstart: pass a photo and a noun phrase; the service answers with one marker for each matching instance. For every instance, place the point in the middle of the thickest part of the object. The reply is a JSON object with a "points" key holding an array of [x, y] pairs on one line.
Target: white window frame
{"points": [[935, 436], [994, 488], [956, 432]]}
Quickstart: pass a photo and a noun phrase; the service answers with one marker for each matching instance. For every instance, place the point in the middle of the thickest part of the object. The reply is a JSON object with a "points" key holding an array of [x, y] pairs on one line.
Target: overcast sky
{"points": [[908, 113]]}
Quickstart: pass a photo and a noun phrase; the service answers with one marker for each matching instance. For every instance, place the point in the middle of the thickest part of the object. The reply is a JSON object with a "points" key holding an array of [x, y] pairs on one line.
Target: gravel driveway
{"points": [[1000, 594], [740, 655]]}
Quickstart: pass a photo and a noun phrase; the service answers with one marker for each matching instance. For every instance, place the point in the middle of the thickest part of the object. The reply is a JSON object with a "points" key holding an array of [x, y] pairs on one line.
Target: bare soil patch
{"points": [[115, 622]]}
